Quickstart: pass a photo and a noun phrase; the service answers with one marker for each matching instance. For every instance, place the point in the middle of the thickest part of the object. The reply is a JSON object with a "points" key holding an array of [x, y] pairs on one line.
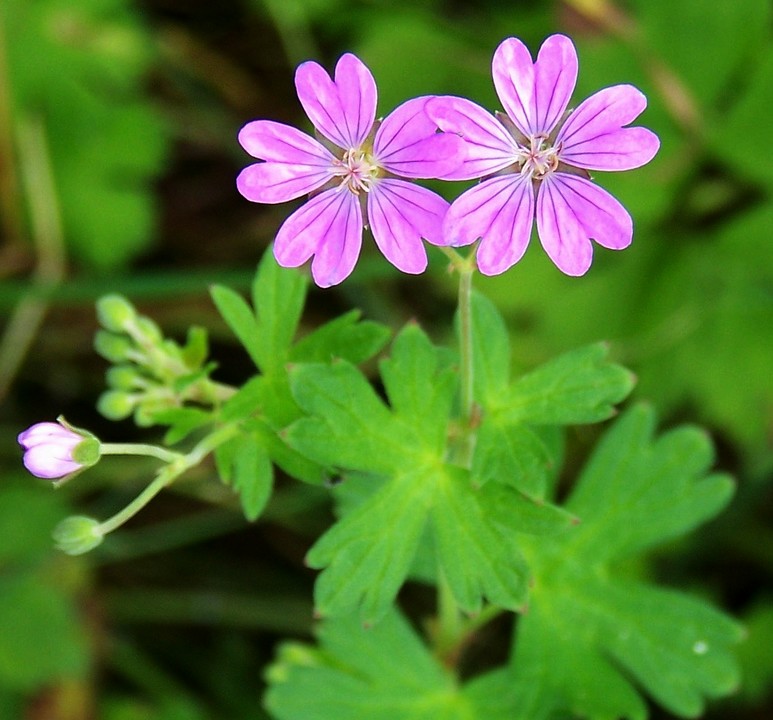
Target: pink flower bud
{"points": [[48, 450]]}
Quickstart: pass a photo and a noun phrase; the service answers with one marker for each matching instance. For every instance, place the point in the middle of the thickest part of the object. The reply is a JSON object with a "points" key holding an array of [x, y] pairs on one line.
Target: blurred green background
{"points": [[118, 154]]}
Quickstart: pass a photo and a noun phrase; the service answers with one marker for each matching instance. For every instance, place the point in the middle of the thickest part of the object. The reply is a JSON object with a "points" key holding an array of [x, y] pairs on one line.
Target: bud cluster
{"points": [[151, 374]]}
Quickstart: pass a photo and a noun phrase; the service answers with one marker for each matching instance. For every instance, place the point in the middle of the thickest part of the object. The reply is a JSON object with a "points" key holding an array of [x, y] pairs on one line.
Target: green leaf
{"points": [[40, 639], [419, 389], [578, 387], [590, 632], [490, 350], [350, 426], [366, 566], [253, 475], [239, 316], [368, 553], [342, 338], [379, 673], [278, 295], [80, 70], [516, 454], [479, 558], [182, 422]]}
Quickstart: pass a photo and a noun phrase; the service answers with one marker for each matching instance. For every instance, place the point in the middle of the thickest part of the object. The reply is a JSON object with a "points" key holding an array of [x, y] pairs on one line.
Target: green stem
{"points": [[465, 345], [469, 422], [177, 465], [135, 505], [155, 451], [449, 628]]}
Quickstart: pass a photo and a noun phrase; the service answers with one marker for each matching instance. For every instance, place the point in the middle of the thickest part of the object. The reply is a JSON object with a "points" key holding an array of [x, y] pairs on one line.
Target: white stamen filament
{"points": [[357, 170], [539, 159]]}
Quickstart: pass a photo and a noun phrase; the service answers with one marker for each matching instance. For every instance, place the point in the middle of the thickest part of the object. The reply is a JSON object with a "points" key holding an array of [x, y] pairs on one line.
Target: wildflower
{"points": [[57, 450], [535, 160], [357, 165]]}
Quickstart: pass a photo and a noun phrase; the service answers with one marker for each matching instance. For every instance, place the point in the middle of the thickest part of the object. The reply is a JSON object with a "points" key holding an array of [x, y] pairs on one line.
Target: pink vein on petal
{"points": [[324, 221], [359, 97], [570, 211], [555, 75], [513, 72], [400, 215], [483, 210], [489, 146], [340, 110]]}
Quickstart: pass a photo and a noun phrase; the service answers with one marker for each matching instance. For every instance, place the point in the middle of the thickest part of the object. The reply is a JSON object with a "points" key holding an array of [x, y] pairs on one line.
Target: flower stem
{"points": [[154, 451], [177, 464], [468, 424], [449, 627]]}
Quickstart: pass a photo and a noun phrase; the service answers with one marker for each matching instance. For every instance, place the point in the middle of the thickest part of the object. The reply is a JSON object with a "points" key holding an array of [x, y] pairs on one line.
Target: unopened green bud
{"points": [[116, 404], [115, 313], [112, 347], [77, 534], [150, 332], [124, 377]]}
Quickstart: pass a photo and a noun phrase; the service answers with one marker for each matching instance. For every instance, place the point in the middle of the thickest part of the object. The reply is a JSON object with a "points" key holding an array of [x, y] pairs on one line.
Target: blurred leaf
{"points": [[80, 69], [40, 638], [755, 655], [733, 31]]}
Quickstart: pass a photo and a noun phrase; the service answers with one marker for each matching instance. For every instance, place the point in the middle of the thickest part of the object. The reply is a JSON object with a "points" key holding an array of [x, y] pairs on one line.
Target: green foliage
{"points": [[402, 450], [590, 631], [383, 673], [596, 628], [41, 640], [79, 69], [516, 443]]}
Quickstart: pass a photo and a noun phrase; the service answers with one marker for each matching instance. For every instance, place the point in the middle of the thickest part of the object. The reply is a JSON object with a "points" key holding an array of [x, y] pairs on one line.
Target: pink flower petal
{"points": [[408, 144], [400, 215], [490, 147], [501, 212], [593, 136], [329, 226], [50, 461], [268, 140], [513, 73], [48, 432], [274, 182], [570, 211], [555, 75], [342, 110], [535, 95]]}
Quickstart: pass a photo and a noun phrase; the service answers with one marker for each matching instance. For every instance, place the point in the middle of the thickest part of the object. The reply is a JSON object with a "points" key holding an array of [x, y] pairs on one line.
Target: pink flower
{"points": [[357, 166], [535, 161], [49, 450]]}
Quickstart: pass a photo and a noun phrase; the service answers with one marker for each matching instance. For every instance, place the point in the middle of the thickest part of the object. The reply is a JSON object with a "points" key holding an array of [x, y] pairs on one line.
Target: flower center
{"points": [[358, 171], [539, 159]]}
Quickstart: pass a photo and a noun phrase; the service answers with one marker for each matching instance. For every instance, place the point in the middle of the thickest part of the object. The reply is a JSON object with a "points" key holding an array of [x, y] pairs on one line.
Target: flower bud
{"points": [[116, 404], [77, 534], [115, 313], [124, 377], [112, 347], [56, 450]]}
